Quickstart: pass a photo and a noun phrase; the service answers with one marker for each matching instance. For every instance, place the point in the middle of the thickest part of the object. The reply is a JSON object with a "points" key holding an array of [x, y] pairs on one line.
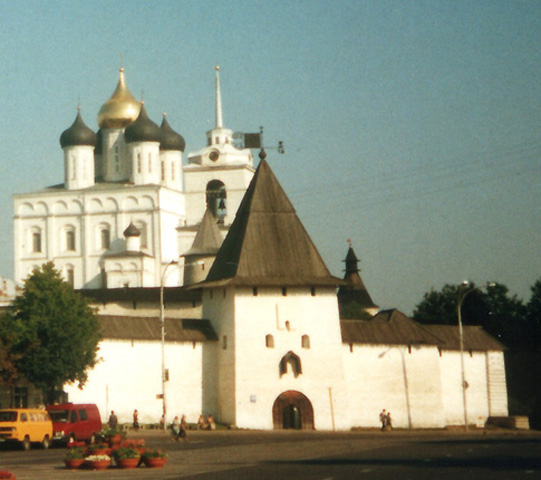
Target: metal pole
{"points": [[332, 409], [461, 340], [162, 319]]}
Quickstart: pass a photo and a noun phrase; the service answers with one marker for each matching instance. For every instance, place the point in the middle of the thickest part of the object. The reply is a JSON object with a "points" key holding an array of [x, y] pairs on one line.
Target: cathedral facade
{"points": [[128, 206]]}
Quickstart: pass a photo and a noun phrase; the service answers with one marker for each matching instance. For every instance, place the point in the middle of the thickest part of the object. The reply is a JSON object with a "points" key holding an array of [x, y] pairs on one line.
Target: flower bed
{"points": [[98, 462]]}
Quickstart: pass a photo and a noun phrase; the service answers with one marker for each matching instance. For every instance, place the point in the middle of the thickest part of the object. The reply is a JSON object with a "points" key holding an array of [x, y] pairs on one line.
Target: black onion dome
{"points": [[78, 134], [132, 231], [143, 129], [171, 140]]}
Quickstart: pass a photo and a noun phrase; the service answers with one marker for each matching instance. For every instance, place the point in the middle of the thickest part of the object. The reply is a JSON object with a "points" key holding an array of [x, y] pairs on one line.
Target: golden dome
{"points": [[121, 109]]}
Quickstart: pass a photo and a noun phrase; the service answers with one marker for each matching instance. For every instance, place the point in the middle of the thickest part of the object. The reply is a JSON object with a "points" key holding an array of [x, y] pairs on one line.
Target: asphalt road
{"points": [[373, 455]]}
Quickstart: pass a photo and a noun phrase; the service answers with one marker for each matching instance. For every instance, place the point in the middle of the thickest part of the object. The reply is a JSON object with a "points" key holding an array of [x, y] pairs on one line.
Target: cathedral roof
{"points": [[267, 243], [78, 134], [143, 129], [208, 238], [170, 140], [121, 109]]}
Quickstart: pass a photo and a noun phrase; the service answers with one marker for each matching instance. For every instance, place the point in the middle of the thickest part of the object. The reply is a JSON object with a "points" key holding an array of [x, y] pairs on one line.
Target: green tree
{"points": [[501, 315], [533, 314], [54, 333]]}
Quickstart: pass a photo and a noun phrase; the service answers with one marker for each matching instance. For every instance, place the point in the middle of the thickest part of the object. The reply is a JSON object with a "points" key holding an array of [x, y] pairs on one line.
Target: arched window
{"points": [[70, 275], [70, 239], [224, 342], [36, 240], [305, 341], [216, 199], [293, 361], [105, 238], [269, 341]]}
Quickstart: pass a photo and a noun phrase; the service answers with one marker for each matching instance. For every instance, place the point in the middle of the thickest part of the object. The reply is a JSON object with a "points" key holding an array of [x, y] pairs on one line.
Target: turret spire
{"points": [[219, 120]]}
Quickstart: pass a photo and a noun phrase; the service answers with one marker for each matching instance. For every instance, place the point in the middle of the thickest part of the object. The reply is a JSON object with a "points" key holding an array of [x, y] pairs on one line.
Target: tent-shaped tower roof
{"points": [[267, 244]]}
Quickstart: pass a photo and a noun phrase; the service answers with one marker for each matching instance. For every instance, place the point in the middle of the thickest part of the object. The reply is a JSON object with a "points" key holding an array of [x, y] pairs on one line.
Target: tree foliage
{"points": [[51, 332], [501, 315]]}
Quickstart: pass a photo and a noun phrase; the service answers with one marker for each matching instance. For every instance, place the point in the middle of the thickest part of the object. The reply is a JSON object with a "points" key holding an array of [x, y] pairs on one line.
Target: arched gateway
{"points": [[292, 410]]}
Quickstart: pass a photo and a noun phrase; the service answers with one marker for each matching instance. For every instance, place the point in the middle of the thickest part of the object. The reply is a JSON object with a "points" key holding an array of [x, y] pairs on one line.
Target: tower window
{"points": [[139, 163], [149, 163], [224, 342], [163, 170], [172, 172], [269, 341], [313, 291], [216, 199], [255, 292], [305, 341], [284, 292], [36, 242]]}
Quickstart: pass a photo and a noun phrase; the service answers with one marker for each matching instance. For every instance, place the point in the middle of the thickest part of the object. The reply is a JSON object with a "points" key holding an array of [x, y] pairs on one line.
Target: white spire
{"points": [[219, 121]]}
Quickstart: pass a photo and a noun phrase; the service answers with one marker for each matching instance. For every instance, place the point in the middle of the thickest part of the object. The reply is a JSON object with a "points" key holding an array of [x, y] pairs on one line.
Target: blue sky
{"points": [[410, 127]]}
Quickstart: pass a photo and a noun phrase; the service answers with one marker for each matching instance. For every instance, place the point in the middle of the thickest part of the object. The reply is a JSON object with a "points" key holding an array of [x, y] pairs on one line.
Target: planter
{"points": [[100, 451], [115, 439], [127, 462], [73, 462], [98, 464], [154, 462]]}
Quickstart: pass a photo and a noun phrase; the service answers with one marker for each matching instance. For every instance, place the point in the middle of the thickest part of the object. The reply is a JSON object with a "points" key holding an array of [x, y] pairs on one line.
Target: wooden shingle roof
{"points": [[392, 327], [141, 294], [475, 338], [123, 327], [267, 244], [387, 327], [208, 239]]}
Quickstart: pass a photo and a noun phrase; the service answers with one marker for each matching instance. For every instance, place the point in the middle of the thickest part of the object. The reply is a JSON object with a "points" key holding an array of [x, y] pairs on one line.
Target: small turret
{"points": [[133, 238], [353, 298]]}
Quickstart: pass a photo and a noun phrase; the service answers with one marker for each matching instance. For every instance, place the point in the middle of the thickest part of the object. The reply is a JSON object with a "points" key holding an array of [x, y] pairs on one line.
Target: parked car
{"points": [[72, 421], [26, 426]]}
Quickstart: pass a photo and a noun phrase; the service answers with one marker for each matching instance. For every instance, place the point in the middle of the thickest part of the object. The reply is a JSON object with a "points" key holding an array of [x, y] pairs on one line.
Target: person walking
{"points": [[136, 420], [113, 420], [383, 419]]}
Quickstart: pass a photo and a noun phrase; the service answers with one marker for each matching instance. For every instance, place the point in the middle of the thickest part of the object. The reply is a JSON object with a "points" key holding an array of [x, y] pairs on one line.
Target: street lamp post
{"points": [[464, 290], [162, 318]]}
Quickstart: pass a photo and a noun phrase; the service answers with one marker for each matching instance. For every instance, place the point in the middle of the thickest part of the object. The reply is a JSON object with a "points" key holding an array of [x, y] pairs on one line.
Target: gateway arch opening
{"points": [[292, 410]]}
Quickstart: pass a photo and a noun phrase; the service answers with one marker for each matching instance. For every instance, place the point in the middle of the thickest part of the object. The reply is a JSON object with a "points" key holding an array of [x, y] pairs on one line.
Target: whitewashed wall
{"points": [[128, 377]]}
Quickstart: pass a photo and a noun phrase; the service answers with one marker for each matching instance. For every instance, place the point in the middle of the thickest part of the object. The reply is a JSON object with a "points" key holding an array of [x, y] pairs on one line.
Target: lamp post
{"points": [[463, 291], [162, 318]]}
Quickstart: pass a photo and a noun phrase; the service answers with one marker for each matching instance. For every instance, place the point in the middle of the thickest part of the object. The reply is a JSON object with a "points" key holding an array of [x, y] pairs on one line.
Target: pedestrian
{"points": [[211, 425], [201, 424], [113, 420], [136, 420], [383, 419], [175, 428], [388, 422], [183, 433]]}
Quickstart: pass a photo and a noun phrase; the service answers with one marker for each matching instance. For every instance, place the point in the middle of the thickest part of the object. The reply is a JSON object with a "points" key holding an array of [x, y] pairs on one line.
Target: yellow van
{"points": [[26, 426]]}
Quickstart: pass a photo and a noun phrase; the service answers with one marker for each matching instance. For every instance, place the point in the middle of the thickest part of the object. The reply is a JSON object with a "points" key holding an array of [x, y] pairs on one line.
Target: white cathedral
{"points": [[255, 326]]}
